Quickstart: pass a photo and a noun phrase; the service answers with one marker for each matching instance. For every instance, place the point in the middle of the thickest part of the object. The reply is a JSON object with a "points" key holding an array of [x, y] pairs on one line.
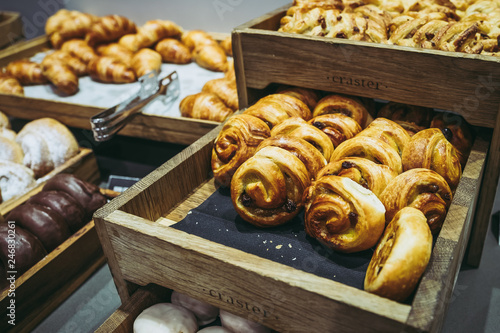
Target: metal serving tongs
{"points": [[107, 123]]}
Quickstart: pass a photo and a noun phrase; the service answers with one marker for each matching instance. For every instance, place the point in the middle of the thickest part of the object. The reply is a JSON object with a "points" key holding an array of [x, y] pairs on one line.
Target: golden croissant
{"points": [[235, 143], [10, 85], [173, 51], [225, 89], [60, 75], [146, 61], [422, 189], [117, 51], [80, 49], [343, 215], [26, 72], [109, 28], [110, 70], [267, 189], [204, 105]]}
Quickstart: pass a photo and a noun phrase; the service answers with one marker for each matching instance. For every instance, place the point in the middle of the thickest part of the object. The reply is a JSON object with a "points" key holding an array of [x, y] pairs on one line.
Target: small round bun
{"points": [[237, 324], [205, 313], [401, 256], [165, 317], [10, 150], [47, 144], [16, 178]]}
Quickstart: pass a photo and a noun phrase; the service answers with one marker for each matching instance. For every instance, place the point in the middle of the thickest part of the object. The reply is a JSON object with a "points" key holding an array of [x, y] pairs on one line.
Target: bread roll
{"points": [[165, 317], [16, 178], [401, 256], [47, 144], [238, 324], [343, 215], [10, 150]]}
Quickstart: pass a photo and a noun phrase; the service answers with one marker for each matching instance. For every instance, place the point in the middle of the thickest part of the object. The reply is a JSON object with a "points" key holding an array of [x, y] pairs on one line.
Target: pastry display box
{"points": [[143, 246], [463, 83], [42, 288], [11, 28], [177, 130]]}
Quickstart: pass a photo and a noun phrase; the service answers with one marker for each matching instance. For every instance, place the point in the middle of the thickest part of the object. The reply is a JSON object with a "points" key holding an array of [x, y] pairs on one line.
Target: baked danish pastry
{"points": [[305, 151], [401, 256], [309, 96], [388, 131], [267, 189], [275, 108], [343, 215], [27, 72], [349, 106], [422, 189], [430, 149], [421, 116], [298, 127], [337, 126], [236, 142], [363, 171], [373, 149]]}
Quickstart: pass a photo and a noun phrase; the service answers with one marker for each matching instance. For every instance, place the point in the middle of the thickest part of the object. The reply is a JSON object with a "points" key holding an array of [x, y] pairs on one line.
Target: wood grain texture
{"points": [[122, 320], [466, 84], [11, 28], [178, 130], [281, 295]]}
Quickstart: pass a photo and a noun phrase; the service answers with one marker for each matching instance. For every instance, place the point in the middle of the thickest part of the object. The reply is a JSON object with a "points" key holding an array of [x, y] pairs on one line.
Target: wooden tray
{"points": [[133, 227], [11, 28], [46, 285], [178, 130], [463, 83]]}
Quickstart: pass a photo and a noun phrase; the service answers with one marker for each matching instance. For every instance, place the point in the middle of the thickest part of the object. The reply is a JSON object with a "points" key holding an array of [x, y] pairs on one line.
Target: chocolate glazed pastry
{"points": [[28, 249], [48, 226], [63, 204], [87, 194]]}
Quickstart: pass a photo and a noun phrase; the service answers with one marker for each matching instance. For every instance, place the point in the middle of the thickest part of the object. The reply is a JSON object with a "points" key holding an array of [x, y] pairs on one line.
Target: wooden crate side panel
{"points": [[42, 288], [273, 294], [466, 84], [438, 282], [122, 320], [24, 49], [11, 28]]}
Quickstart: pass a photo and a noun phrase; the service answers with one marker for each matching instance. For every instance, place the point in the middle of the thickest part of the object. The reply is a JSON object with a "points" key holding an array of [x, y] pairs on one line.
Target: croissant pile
{"points": [[111, 49], [38, 148], [364, 176], [470, 26]]}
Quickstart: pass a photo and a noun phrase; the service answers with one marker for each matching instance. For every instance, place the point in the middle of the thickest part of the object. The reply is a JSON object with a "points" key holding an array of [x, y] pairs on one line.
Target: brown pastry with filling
{"points": [[401, 256], [347, 105], [343, 215], [388, 131], [337, 126]]}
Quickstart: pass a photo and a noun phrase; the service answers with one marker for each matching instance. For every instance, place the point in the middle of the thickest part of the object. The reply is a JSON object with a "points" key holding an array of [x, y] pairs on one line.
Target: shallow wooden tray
{"points": [[463, 83], [178, 130], [11, 28], [46, 285], [141, 249]]}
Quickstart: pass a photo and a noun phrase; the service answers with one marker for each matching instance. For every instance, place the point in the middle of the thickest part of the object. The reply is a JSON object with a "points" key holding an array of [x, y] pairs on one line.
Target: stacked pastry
{"points": [[110, 49], [46, 220], [40, 146], [469, 26]]}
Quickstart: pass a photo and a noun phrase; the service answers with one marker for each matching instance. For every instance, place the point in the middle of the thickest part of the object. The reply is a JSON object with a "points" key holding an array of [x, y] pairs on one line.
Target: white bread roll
{"points": [[14, 179]]}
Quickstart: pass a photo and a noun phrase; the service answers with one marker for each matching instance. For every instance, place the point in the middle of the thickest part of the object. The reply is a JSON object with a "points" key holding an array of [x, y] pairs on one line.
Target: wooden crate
{"points": [[463, 83], [11, 28], [178, 130], [46, 285], [142, 248]]}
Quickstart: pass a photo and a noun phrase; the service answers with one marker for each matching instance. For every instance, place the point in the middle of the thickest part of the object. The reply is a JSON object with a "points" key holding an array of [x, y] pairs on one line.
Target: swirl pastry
{"points": [[366, 173], [26, 72], [337, 126], [275, 108], [422, 189], [225, 89], [173, 51], [300, 128], [373, 149], [388, 131], [204, 105], [306, 152], [456, 130], [145, 61], [430, 149], [110, 70], [267, 189], [343, 215], [349, 106], [16, 178], [47, 144], [400, 257], [10, 85], [397, 112], [309, 96], [236, 142], [108, 29]]}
